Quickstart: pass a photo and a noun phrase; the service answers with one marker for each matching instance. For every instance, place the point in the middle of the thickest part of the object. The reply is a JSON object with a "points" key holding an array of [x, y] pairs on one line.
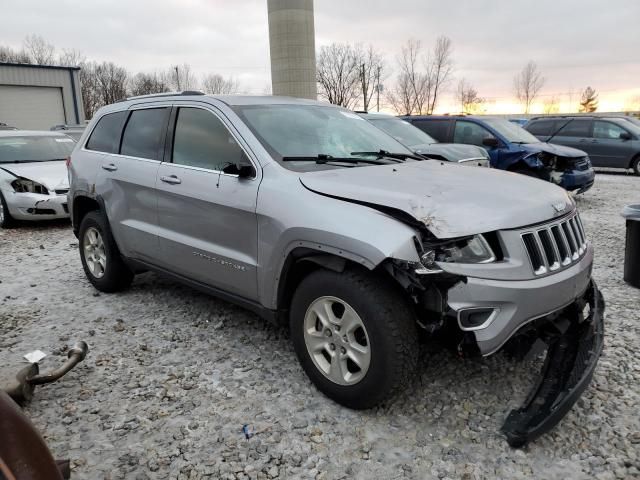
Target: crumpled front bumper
{"points": [[575, 341], [34, 206]]}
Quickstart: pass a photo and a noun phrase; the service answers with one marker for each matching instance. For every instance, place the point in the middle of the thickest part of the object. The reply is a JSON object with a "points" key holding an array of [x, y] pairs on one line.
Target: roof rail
{"points": [[164, 94]]}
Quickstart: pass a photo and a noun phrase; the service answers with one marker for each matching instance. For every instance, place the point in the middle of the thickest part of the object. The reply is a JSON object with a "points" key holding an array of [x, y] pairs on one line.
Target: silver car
{"points": [[307, 214], [33, 175]]}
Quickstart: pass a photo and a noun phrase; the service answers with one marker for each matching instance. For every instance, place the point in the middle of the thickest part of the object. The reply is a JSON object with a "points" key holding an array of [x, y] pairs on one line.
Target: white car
{"points": [[33, 175]]}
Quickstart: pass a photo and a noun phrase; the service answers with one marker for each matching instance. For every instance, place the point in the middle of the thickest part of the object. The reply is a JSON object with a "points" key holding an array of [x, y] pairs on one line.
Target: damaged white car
{"points": [[33, 175]]}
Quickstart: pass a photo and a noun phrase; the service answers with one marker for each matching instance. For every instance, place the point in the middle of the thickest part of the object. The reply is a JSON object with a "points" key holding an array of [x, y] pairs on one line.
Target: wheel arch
{"points": [[83, 204]]}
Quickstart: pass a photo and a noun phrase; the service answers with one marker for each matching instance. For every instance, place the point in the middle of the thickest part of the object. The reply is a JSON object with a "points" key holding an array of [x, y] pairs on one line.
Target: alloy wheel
{"points": [[337, 340], [94, 252]]}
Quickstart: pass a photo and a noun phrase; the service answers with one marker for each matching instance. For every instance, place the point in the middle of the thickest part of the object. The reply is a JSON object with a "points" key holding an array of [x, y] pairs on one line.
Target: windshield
{"points": [[403, 131], [310, 130], [511, 132], [34, 148]]}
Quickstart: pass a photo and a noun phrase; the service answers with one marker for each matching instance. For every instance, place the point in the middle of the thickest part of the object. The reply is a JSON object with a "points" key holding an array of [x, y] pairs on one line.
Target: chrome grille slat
{"points": [[555, 246]]}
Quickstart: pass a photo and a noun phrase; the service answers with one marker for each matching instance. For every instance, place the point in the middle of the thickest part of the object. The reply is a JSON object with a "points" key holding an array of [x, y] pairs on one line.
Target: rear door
{"points": [[126, 181], [207, 218], [608, 149]]}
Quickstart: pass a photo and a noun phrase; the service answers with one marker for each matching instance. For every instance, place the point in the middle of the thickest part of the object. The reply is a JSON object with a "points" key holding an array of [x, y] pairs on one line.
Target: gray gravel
{"points": [[173, 375]]}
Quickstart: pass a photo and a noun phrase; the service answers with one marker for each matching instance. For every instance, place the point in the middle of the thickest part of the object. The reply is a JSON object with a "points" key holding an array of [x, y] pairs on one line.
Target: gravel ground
{"points": [[173, 375]]}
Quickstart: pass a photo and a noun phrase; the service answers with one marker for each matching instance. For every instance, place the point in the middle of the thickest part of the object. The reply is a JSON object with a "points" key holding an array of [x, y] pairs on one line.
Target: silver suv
{"points": [[304, 212]]}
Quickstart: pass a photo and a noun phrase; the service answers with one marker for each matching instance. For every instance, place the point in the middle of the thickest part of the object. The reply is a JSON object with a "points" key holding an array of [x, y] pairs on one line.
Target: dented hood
{"points": [[52, 174], [554, 149], [451, 200]]}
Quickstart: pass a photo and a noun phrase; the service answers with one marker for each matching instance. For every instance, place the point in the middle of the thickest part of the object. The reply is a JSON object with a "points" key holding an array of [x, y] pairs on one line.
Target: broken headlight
{"points": [[466, 250], [23, 185]]}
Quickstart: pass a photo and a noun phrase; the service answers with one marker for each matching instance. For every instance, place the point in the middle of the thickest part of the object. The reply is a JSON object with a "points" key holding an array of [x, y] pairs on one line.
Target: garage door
{"points": [[37, 108]]}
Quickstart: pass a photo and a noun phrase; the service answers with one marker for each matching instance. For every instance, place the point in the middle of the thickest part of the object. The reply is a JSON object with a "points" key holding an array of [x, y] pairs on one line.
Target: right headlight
{"points": [[466, 250]]}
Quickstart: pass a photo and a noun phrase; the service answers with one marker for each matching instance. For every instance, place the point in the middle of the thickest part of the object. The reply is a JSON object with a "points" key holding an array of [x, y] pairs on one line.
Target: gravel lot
{"points": [[173, 375]]}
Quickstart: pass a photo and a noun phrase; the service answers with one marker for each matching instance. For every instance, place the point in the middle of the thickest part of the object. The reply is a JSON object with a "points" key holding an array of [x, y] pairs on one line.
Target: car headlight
{"points": [[23, 185], [466, 250]]}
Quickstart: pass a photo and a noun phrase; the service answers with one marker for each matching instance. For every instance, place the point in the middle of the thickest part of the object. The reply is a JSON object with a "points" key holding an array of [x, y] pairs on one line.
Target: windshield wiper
{"points": [[395, 156], [322, 159]]}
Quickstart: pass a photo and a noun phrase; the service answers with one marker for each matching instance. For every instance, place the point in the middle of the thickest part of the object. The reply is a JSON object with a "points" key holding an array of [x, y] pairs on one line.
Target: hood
{"points": [[453, 152], [552, 148], [52, 175], [450, 202]]}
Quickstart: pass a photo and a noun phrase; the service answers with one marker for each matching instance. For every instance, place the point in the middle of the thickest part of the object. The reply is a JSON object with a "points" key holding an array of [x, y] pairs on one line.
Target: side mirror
{"points": [[625, 136], [243, 168], [490, 142]]}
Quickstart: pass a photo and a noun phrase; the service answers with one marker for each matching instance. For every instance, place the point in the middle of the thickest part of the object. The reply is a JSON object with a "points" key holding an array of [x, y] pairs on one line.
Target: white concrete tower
{"points": [[292, 46]]}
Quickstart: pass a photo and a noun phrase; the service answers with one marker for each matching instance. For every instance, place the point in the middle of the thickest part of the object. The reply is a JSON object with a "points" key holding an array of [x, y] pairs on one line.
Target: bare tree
{"points": [[148, 83], [401, 97], [112, 82], [40, 51], [527, 84], [89, 89], [468, 97], [71, 58], [551, 105], [589, 100], [440, 69], [216, 84], [337, 74], [9, 55], [371, 69], [182, 78]]}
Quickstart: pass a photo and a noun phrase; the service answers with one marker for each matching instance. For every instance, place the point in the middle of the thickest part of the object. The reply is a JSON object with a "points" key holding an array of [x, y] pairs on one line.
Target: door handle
{"points": [[172, 179], [110, 168]]}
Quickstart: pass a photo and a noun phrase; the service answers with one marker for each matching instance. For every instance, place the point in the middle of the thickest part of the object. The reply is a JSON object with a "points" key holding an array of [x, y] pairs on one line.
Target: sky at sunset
{"points": [[576, 43]]}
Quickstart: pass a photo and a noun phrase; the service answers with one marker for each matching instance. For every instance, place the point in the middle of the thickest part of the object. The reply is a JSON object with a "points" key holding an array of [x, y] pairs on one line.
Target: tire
{"points": [[100, 256], [635, 165], [6, 220], [387, 331]]}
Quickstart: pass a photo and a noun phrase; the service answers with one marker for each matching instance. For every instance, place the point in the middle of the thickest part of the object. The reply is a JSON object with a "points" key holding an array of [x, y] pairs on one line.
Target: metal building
{"points": [[39, 96], [292, 47]]}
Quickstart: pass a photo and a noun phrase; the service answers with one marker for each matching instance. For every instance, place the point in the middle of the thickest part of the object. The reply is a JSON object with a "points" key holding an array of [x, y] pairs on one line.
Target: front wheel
{"points": [[354, 335], [636, 166], [6, 220]]}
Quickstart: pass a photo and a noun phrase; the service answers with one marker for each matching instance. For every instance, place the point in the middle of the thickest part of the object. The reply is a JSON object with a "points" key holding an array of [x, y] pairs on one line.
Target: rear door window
{"points": [[106, 134], [470, 133], [607, 130], [577, 127], [202, 140], [144, 133], [437, 128]]}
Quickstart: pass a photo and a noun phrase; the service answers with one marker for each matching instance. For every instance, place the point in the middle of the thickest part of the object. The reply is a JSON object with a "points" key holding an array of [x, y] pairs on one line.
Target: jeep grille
{"points": [[555, 246]]}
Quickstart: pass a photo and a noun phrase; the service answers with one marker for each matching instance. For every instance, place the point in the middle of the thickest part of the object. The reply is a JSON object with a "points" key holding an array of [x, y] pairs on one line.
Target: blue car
{"points": [[512, 148]]}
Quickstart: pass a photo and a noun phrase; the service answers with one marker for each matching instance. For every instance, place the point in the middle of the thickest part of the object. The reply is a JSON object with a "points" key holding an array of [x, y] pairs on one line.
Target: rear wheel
{"points": [[100, 257], [354, 335], [6, 220]]}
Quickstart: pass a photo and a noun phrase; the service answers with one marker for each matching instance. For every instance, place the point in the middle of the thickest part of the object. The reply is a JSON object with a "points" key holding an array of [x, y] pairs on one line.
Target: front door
{"points": [[207, 219], [608, 149]]}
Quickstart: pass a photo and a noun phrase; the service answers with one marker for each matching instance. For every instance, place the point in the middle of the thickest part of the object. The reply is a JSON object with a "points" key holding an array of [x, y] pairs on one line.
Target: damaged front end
{"points": [[460, 311], [574, 338], [571, 173]]}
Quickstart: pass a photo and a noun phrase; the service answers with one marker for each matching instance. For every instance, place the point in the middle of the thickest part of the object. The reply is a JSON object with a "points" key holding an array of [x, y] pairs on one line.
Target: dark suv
{"points": [[610, 141], [512, 148]]}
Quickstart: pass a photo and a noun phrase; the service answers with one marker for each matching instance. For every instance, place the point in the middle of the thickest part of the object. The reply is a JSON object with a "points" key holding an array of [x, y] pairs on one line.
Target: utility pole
{"points": [[178, 78]]}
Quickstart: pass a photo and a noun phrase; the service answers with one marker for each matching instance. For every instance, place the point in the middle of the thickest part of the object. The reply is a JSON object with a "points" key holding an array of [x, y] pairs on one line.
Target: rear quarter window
{"points": [[106, 134], [436, 128]]}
